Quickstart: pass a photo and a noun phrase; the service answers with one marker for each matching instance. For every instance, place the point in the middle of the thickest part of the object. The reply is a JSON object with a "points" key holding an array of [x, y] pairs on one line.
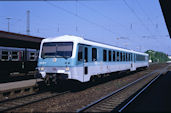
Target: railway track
{"points": [[21, 102], [10, 104], [108, 102]]}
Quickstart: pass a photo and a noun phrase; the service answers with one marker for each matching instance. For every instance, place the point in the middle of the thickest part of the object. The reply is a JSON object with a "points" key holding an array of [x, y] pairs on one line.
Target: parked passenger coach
{"points": [[71, 57]]}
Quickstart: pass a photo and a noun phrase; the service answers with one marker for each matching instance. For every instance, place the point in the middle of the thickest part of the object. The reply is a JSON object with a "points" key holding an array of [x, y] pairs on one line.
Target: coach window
{"points": [[110, 55], [94, 54], [114, 56], [37, 54], [80, 53], [15, 56], [121, 56], [117, 56], [126, 56], [20, 55], [32, 56], [129, 57], [146, 58], [104, 55], [137, 57], [4, 55]]}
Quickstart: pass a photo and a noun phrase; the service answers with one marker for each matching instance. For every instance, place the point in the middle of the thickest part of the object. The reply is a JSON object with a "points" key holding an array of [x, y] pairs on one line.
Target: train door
{"points": [[82, 60], [85, 63]]}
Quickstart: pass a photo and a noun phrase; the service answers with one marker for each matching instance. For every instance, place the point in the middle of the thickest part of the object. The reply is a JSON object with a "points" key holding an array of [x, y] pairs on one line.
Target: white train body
{"points": [[71, 57]]}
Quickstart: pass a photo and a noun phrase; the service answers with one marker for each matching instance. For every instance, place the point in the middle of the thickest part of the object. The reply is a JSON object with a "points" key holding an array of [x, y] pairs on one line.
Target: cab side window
{"points": [[94, 54], [80, 53]]}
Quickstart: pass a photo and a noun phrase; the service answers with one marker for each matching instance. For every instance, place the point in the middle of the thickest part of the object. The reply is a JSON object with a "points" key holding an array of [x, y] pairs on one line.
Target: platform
{"points": [[18, 84], [155, 98]]}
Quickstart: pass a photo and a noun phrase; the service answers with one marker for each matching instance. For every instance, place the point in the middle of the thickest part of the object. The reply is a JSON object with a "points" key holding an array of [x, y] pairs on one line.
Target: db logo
{"points": [[54, 60]]}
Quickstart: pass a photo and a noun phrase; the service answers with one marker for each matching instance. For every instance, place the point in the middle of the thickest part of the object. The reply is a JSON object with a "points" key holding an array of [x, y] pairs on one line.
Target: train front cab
{"points": [[57, 61], [76, 67]]}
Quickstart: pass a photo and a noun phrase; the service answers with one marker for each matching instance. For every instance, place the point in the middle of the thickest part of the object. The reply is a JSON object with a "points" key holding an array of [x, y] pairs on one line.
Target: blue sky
{"points": [[131, 24]]}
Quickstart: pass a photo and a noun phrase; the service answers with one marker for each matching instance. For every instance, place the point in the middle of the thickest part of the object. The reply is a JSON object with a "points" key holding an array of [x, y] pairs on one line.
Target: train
{"points": [[75, 58], [17, 60]]}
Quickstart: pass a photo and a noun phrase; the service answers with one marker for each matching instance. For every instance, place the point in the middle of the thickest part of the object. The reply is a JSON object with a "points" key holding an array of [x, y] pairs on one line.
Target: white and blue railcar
{"points": [[71, 57]]}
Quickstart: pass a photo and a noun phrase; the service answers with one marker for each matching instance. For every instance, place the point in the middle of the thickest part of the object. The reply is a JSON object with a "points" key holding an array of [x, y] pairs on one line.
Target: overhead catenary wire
{"points": [[141, 8], [82, 18], [45, 27], [146, 14], [76, 11], [112, 20], [102, 15], [138, 18]]}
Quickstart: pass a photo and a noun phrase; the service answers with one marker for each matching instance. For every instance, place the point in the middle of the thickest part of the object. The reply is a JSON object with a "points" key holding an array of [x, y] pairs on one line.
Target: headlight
{"points": [[67, 69], [42, 69]]}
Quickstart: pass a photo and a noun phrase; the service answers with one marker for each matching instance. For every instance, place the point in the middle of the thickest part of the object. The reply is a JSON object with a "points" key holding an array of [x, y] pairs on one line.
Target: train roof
{"points": [[10, 39], [81, 40]]}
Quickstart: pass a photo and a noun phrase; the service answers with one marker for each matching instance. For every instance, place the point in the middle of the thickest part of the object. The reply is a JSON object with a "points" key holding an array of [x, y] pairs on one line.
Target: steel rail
{"points": [[114, 92], [133, 98], [24, 100]]}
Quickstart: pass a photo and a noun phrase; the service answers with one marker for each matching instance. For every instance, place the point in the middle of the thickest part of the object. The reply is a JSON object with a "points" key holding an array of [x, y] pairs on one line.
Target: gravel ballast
{"points": [[73, 101]]}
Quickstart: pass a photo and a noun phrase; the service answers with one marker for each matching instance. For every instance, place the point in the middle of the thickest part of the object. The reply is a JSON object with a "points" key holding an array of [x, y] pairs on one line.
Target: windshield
{"points": [[57, 49]]}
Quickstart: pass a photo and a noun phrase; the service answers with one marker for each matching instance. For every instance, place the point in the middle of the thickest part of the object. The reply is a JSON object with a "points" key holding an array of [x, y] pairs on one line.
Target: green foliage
{"points": [[156, 56]]}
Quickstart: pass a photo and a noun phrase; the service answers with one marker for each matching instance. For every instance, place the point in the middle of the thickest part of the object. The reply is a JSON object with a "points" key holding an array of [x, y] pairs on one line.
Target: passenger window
{"points": [[5, 56], [104, 55], [114, 56], [120, 56], [15, 55], [80, 53], [94, 54], [32, 56], [146, 58], [20, 54], [123, 56], [117, 56], [110, 56], [134, 57], [126, 56]]}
